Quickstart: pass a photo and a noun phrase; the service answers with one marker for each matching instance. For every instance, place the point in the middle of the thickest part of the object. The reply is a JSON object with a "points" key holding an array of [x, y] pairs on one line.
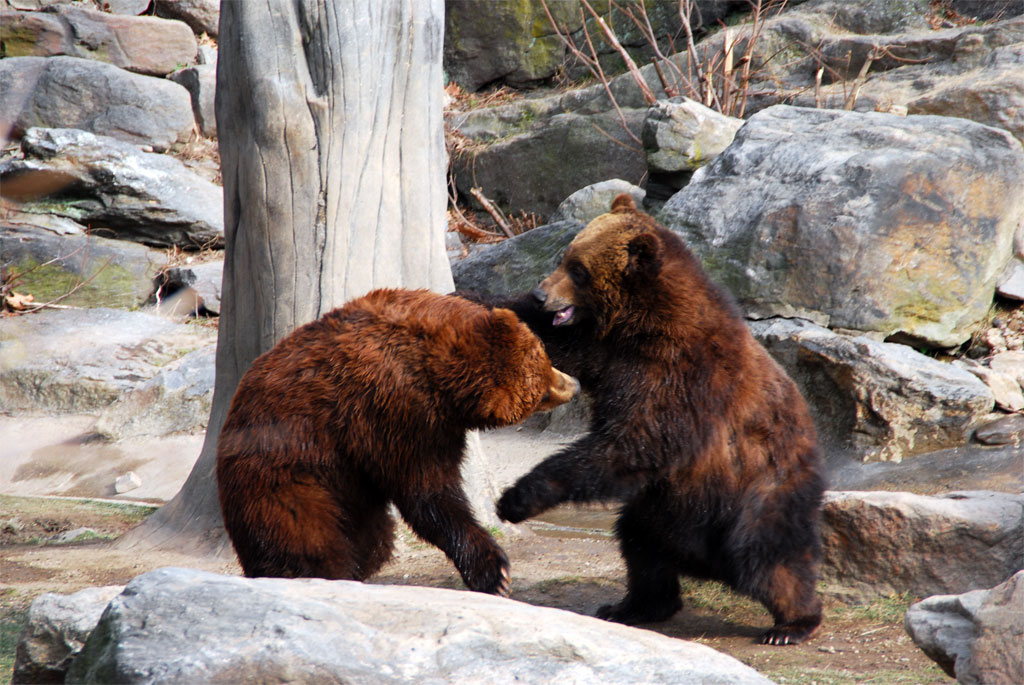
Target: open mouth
{"points": [[563, 316]]}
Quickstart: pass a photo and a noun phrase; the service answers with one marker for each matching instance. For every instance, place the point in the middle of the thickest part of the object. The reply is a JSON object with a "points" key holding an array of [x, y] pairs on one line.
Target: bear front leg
{"points": [[443, 518], [585, 471]]}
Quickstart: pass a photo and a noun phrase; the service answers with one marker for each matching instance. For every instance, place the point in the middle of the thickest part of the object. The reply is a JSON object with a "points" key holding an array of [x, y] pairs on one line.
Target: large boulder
{"points": [[493, 42], [970, 71], [898, 226], [882, 543], [975, 637], [518, 264], [879, 401], [93, 96], [77, 269], [81, 360], [547, 159], [341, 631], [117, 188], [146, 45]]}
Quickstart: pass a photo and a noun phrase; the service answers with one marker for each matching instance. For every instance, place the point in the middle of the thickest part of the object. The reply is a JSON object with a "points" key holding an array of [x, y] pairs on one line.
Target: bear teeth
{"points": [[563, 315]]}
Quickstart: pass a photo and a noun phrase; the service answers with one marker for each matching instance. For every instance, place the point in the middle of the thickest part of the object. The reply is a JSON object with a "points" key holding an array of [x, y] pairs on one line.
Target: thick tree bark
{"points": [[329, 116]]}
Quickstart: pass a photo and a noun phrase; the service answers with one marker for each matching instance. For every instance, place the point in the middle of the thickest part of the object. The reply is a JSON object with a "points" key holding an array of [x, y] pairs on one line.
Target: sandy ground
{"points": [[566, 559]]}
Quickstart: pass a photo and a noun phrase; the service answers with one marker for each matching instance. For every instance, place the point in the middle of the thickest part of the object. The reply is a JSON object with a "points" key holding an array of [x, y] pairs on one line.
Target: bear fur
{"points": [[368, 406], [694, 427]]}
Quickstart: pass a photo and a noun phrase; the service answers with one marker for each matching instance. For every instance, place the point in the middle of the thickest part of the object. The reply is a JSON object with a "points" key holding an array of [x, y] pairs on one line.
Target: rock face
{"points": [[93, 96], [176, 400], [880, 543], [81, 360], [113, 273], [881, 401], [975, 637], [516, 265], [970, 71], [899, 226], [546, 160], [57, 628], [342, 631], [145, 45], [118, 188]]}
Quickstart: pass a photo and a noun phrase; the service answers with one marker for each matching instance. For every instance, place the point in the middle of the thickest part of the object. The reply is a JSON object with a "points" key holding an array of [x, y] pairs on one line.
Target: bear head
{"points": [[610, 262], [520, 378]]}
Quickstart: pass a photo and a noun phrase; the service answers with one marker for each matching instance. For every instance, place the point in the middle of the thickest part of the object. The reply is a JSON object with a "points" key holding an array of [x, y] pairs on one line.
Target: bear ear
{"points": [[644, 255], [623, 203], [504, 324]]}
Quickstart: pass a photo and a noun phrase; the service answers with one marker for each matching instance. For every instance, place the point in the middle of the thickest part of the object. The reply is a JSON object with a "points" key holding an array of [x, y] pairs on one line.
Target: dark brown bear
{"points": [[695, 427], [368, 406]]}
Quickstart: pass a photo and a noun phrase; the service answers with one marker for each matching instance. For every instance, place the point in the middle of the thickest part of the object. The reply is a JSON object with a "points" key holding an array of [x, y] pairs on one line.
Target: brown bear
{"points": [[694, 427], [368, 406]]}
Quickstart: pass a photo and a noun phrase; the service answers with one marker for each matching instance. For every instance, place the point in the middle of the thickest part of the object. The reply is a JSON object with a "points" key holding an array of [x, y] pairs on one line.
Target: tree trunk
{"points": [[329, 115]]}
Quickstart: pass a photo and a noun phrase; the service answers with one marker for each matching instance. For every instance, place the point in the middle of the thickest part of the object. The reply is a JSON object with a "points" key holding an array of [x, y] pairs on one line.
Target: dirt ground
{"points": [[566, 560]]}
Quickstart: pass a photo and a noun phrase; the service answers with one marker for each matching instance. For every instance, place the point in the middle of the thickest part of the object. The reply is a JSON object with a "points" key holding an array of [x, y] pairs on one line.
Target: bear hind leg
{"points": [[652, 577]]}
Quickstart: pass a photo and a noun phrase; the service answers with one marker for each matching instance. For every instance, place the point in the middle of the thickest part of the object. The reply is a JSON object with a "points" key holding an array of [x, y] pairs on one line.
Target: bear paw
{"points": [[792, 633], [514, 506], [632, 614], [489, 573]]}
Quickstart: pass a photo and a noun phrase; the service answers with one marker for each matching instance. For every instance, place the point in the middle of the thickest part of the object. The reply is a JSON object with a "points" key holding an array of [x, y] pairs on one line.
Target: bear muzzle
{"points": [[562, 389], [563, 309]]}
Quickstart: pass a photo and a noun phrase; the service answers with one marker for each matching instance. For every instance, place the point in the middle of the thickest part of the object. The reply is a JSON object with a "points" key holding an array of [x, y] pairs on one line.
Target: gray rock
{"points": [[78, 269], [95, 97], [515, 265], [145, 45], [880, 543], [1008, 430], [341, 631], [129, 7], [119, 189], [81, 360], [975, 637], [1011, 284], [126, 483], [57, 628], [882, 401], [857, 220], [176, 400], [683, 135], [586, 204], [189, 289], [943, 627], [201, 82], [1005, 389], [202, 15], [970, 71]]}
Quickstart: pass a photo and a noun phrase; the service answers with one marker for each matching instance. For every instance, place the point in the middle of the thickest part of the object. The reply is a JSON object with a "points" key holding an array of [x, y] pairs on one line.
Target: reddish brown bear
{"points": [[695, 428], [368, 406]]}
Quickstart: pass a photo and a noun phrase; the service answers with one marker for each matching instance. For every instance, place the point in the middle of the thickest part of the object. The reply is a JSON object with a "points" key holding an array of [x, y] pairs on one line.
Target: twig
{"points": [[489, 207], [591, 62], [634, 71]]}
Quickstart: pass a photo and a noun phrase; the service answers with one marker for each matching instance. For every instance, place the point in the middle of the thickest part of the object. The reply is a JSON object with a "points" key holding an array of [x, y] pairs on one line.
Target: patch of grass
{"points": [[888, 610], [12, 623]]}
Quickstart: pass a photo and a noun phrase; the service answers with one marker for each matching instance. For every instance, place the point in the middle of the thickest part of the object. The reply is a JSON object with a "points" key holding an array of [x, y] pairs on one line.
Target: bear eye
{"points": [[578, 274]]}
